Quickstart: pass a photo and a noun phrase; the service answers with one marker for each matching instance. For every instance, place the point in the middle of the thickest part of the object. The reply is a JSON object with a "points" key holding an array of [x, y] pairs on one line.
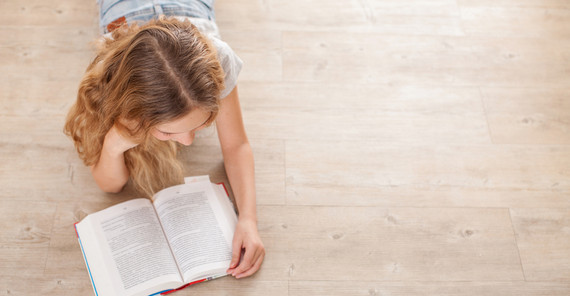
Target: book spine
{"points": [[85, 258]]}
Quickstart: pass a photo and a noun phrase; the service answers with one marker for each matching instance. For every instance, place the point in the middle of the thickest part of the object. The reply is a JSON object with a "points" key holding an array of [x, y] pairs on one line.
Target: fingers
{"points": [[236, 254], [247, 250], [252, 270], [251, 262], [245, 263]]}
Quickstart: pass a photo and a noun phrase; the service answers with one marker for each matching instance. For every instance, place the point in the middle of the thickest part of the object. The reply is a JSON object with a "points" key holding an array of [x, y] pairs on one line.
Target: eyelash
{"points": [[204, 125]]}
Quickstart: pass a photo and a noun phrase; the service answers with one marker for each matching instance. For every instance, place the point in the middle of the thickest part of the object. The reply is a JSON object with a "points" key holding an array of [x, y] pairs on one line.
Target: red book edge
{"points": [[182, 287], [225, 189], [75, 227]]}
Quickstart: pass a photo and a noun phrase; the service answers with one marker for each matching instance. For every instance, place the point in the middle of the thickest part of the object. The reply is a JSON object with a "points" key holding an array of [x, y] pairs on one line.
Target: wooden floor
{"points": [[417, 147]]}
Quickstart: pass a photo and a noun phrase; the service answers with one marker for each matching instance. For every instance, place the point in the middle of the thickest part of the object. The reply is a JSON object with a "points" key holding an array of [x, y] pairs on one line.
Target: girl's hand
{"points": [[247, 249], [116, 143]]}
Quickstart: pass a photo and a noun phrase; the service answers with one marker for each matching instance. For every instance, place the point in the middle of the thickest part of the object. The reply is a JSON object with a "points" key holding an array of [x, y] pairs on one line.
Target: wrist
{"points": [[111, 150], [250, 218], [115, 144]]}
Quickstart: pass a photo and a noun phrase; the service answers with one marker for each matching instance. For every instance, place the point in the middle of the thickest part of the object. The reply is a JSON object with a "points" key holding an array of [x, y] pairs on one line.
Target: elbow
{"points": [[112, 190], [109, 184], [108, 188]]}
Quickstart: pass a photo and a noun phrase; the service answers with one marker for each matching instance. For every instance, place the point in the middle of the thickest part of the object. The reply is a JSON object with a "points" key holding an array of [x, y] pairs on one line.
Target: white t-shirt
{"points": [[228, 59]]}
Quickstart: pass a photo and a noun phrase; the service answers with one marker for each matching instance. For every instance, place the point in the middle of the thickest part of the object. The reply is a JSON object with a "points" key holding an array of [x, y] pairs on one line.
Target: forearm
{"points": [[239, 166], [238, 160], [110, 172]]}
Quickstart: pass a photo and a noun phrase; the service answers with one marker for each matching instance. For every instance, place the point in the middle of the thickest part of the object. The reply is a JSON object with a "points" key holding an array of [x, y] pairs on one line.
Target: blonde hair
{"points": [[148, 74]]}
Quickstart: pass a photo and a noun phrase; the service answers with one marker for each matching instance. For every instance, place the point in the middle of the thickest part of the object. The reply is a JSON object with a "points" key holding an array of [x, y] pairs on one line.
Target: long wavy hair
{"points": [[149, 74]]}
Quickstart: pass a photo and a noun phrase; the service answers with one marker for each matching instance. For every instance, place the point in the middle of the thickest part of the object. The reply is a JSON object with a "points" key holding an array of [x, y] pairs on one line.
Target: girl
{"points": [[161, 74]]}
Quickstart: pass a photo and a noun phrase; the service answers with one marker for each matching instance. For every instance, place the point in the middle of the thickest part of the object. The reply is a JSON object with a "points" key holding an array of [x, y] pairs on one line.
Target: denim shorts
{"points": [[145, 10]]}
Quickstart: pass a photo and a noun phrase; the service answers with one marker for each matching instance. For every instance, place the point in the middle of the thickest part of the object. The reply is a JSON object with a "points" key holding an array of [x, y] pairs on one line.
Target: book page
{"points": [[137, 258], [193, 179], [197, 227]]}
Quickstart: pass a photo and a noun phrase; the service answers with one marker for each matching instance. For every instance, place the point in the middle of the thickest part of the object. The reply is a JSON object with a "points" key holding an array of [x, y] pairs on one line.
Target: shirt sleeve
{"points": [[231, 64]]}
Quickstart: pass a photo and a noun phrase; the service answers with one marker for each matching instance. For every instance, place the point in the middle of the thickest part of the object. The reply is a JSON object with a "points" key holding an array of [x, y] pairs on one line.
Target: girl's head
{"points": [[159, 73], [156, 83]]}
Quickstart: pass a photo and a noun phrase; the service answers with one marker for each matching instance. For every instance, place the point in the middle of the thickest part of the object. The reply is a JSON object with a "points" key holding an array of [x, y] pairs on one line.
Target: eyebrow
{"points": [[205, 122]]}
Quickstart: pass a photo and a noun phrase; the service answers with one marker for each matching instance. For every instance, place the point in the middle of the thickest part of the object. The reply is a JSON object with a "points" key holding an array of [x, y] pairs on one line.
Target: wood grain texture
{"points": [[415, 147], [298, 288], [260, 50], [517, 168], [37, 284], [25, 237], [364, 111], [422, 60], [528, 115], [48, 13], [418, 18], [328, 243], [543, 237], [230, 286], [507, 21]]}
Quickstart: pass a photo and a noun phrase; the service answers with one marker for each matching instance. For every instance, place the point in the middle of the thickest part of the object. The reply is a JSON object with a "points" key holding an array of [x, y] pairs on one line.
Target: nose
{"points": [[186, 139]]}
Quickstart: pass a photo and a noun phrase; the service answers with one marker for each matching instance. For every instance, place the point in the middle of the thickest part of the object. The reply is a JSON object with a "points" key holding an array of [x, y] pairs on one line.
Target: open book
{"points": [[140, 247]]}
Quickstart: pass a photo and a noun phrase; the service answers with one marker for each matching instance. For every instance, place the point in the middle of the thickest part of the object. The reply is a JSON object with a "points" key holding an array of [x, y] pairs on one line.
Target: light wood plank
{"points": [[48, 13], [44, 76], [231, 286], [420, 60], [37, 284], [36, 152], [350, 112], [44, 64], [528, 115], [550, 22], [421, 196], [64, 38], [260, 52], [393, 244], [416, 18], [543, 238], [298, 288], [25, 236], [406, 171], [414, 7], [48, 53], [36, 98], [516, 3], [423, 100], [376, 126]]}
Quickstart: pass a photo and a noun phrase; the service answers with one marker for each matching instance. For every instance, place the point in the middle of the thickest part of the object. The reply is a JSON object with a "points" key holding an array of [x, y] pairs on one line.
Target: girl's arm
{"points": [[238, 161], [110, 172]]}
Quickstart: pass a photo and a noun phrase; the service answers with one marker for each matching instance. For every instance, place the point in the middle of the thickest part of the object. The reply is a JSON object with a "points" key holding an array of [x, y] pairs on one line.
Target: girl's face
{"points": [[182, 130]]}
